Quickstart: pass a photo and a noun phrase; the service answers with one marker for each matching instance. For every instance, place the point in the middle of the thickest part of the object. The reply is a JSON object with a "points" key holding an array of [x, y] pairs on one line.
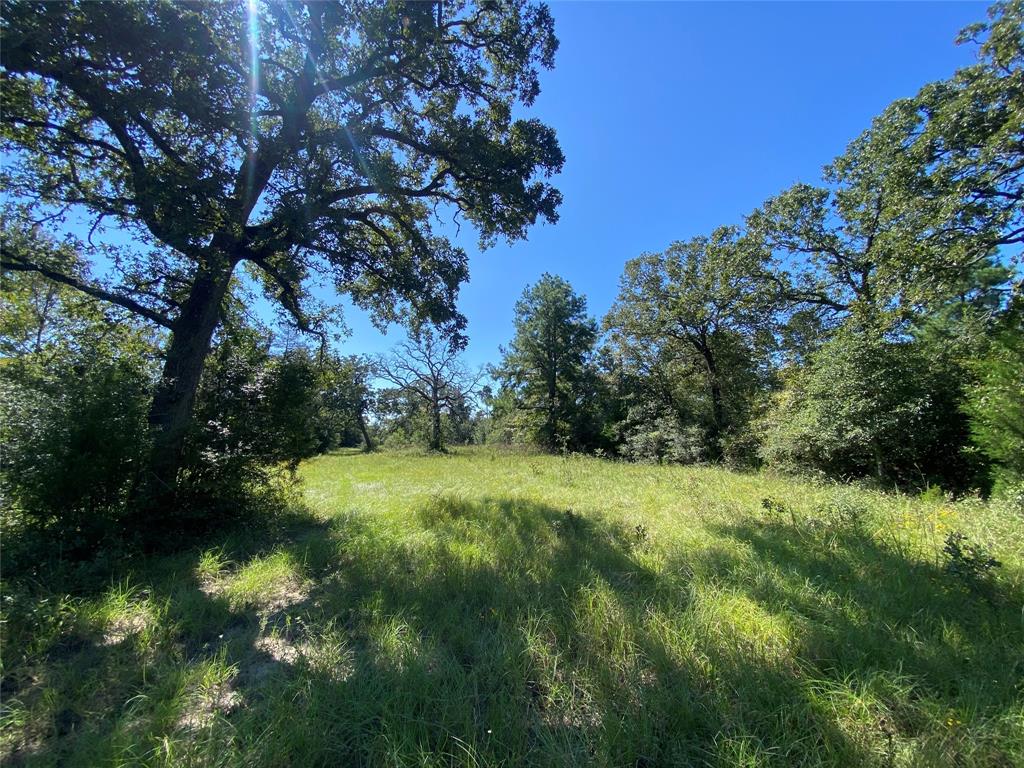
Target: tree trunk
{"points": [[170, 414], [435, 427], [553, 409], [717, 409], [877, 454], [367, 442]]}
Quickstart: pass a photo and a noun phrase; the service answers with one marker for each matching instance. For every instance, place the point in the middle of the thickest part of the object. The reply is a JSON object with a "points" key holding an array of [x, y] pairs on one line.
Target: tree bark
{"points": [[717, 409], [435, 428], [170, 414], [367, 442], [553, 404]]}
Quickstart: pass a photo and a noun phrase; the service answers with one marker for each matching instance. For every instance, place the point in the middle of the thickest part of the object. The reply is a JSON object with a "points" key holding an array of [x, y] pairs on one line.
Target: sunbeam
{"points": [[253, 29], [357, 150]]}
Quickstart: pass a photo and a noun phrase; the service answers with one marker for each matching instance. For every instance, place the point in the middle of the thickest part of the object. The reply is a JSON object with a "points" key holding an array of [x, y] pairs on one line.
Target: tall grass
{"points": [[484, 608]]}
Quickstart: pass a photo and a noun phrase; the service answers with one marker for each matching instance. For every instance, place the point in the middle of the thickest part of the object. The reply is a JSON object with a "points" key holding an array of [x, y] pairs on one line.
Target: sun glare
{"points": [[253, 25]]}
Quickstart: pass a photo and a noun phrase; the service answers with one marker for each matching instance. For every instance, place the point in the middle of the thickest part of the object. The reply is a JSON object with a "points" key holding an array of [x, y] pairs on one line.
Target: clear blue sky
{"points": [[679, 117]]}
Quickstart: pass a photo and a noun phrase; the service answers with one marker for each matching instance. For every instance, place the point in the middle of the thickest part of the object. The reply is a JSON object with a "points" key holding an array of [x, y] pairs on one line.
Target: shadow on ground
{"points": [[510, 632]]}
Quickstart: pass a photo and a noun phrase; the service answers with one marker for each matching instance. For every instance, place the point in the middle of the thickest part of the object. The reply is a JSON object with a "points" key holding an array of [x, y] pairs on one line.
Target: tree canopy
{"points": [[300, 139], [428, 367], [697, 304]]}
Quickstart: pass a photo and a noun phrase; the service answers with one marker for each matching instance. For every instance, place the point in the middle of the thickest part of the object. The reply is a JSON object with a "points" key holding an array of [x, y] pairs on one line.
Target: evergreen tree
{"points": [[548, 381], [996, 403]]}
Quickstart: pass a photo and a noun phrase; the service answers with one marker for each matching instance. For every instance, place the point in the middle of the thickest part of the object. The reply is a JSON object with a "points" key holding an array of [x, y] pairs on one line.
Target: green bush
{"points": [[254, 411], [996, 406], [74, 436], [654, 434], [869, 406]]}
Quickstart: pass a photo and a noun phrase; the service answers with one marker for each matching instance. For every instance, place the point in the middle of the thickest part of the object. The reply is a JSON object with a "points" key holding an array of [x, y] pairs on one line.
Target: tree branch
{"points": [[14, 263]]}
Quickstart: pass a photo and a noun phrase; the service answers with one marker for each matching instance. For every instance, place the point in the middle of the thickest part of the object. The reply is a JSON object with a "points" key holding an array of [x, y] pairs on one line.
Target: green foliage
{"points": [[258, 410], [73, 402], [347, 141], [776, 510], [947, 165], [650, 433], [548, 380], [701, 314], [917, 203], [428, 368], [996, 403], [868, 406], [303, 142], [76, 383], [345, 399], [405, 420]]}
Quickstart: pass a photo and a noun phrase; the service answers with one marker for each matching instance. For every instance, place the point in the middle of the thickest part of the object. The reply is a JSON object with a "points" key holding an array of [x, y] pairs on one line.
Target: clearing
{"points": [[494, 608]]}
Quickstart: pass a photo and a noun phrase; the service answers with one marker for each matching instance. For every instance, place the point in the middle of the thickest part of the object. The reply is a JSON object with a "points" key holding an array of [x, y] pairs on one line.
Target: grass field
{"points": [[488, 608]]}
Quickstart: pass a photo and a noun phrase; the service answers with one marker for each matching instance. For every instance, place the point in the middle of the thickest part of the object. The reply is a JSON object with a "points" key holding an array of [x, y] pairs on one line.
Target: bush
{"points": [[254, 411], [653, 434], [866, 406], [74, 437], [996, 406]]}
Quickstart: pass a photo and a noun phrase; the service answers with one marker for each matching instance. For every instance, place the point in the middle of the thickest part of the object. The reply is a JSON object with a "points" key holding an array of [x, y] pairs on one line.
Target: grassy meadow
{"points": [[487, 608]]}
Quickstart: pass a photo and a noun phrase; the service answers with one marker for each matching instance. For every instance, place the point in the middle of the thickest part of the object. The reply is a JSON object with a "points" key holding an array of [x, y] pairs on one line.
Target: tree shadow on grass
{"points": [[934, 654], [505, 632]]}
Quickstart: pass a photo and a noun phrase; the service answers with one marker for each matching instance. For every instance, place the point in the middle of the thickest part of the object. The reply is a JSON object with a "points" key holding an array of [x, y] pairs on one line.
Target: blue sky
{"points": [[676, 118]]}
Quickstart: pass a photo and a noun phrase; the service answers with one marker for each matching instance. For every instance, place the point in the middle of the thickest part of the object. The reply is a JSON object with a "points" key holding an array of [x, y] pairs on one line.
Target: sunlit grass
{"points": [[491, 608]]}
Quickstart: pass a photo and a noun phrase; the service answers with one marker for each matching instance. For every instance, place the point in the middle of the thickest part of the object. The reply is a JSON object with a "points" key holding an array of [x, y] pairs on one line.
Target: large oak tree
{"points": [[923, 197], [950, 160], [299, 139], [705, 305]]}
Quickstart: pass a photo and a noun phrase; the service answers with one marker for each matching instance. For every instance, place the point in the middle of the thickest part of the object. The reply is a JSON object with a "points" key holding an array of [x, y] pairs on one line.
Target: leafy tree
{"points": [[653, 432], [947, 165], [463, 419], [345, 400], [703, 310], [403, 419], [996, 403], [921, 197], [427, 367], [954, 336], [836, 239], [547, 378], [870, 406], [297, 139]]}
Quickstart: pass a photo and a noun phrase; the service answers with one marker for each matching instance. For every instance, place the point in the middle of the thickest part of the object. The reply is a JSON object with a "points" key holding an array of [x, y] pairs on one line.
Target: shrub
{"points": [[653, 434], [75, 385], [996, 406], [776, 509], [72, 445], [867, 406], [254, 411]]}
